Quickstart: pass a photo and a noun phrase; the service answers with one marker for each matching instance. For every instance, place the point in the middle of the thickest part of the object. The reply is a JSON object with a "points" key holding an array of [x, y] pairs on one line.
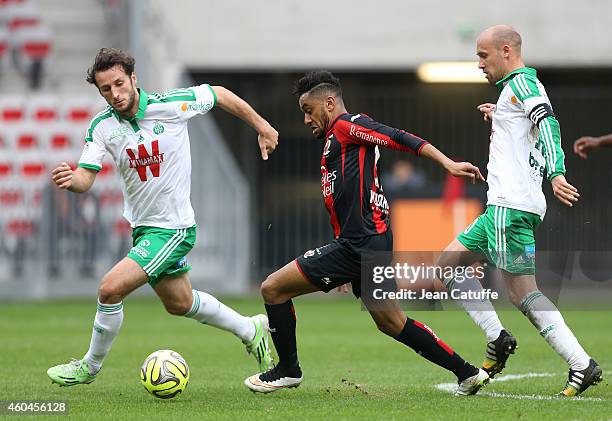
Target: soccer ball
{"points": [[164, 374]]}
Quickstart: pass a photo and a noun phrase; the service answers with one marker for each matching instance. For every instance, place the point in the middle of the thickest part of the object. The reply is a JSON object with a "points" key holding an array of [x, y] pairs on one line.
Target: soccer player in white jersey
{"points": [[146, 135], [525, 148]]}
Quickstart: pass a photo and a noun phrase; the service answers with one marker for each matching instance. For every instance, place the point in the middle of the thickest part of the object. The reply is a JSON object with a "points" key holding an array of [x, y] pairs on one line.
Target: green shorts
{"points": [[506, 237], [161, 252]]}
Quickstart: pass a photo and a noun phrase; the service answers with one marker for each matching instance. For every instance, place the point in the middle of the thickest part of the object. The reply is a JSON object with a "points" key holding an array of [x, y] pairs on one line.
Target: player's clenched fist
{"points": [[62, 176], [487, 110]]}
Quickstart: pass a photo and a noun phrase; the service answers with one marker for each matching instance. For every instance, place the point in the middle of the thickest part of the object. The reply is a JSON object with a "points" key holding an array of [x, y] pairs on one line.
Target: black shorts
{"points": [[344, 260]]}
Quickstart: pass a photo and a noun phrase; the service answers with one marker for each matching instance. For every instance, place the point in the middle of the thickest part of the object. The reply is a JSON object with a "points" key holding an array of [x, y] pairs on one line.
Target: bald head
{"points": [[499, 49], [501, 35]]}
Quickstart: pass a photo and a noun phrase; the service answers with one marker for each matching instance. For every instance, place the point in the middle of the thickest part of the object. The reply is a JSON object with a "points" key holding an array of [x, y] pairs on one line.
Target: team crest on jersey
{"points": [[158, 128]]}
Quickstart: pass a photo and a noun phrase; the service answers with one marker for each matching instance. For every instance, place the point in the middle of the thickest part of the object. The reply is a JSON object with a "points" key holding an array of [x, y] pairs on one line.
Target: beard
{"points": [[323, 128], [130, 101]]}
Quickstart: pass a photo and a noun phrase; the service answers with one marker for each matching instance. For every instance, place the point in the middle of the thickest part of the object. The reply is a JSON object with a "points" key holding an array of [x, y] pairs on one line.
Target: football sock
{"points": [[208, 310], [282, 329], [480, 310], [545, 316], [106, 327], [425, 343]]}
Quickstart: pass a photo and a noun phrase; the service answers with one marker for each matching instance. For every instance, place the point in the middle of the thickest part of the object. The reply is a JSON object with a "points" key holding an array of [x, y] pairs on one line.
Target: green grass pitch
{"points": [[351, 371]]}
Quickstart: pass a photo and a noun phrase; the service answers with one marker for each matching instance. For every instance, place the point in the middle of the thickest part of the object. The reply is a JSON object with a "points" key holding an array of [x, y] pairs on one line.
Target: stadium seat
{"points": [[12, 109], [78, 109], [31, 44], [43, 108], [20, 227], [26, 137], [32, 47], [21, 14], [6, 169], [10, 197]]}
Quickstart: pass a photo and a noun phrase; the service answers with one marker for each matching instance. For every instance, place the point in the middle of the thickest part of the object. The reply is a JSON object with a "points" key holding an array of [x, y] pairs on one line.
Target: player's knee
{"points": [[390, 326], [515, 298], [110, 291], [177, 308], [270, 291], [387, 328]]}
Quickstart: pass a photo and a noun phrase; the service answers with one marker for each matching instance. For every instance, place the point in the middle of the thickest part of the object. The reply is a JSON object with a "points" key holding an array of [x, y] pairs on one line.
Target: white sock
{"points": [[106, 326], [208, 310], [546, 317], [481, 310]]}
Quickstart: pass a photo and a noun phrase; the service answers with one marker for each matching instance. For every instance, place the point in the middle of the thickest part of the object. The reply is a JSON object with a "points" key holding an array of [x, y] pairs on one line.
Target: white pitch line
{"points": [[451, 387]]}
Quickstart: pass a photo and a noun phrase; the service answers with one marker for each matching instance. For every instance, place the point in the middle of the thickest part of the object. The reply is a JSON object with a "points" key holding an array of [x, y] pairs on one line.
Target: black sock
{"points": [[282, 329], [425, 343]]}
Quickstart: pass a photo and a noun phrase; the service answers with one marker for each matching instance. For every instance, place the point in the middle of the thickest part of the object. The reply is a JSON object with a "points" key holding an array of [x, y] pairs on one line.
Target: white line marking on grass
{"points": [[451, 387]]}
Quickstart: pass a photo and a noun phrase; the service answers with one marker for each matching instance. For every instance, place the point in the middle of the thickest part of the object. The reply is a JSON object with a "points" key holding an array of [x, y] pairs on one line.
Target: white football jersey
{"points": [[521, 154], [152, 155]]}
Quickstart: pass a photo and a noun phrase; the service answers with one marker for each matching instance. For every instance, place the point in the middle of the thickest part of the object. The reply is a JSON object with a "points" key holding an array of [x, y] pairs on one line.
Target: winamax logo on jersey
{"points": [[145, 160]]}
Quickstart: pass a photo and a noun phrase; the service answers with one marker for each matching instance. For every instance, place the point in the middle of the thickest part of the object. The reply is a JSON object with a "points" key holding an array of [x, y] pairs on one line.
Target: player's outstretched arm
{"points": [[78, 181], [587, 144], [233, 104], [458, 169]]}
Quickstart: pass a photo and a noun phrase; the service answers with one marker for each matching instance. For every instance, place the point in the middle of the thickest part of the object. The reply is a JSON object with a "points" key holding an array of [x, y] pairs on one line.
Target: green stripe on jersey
{"points": [[90, 166], [172, 95], [524, 86], [214, 95], [107, 113]]}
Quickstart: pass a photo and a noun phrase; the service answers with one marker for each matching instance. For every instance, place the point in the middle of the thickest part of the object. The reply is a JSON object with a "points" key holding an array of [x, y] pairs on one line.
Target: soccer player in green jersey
{"points": [[525, 147], [146, 135]]}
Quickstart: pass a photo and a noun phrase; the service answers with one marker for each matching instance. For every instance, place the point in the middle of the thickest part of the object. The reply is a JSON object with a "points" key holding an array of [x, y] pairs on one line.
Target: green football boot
{"points": [[75, 372], [258, 346]]}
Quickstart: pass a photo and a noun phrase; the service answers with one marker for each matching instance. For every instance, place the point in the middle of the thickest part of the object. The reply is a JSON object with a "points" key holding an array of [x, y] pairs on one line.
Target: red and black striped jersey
{"points": [[351, 189]]}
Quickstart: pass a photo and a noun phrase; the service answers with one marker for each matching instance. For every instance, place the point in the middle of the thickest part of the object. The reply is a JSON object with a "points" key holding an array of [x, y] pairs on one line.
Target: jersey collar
{"points": [[142, 107], [528, 70], [331, 126]]}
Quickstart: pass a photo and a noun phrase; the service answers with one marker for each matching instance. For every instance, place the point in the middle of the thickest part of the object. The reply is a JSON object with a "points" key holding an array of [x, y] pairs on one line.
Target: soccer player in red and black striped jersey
{"points": [[359, 215]]}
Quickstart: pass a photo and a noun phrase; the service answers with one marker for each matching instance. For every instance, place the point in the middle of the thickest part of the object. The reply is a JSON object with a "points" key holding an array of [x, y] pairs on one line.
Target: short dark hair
{"points": [[108, 58], [318, 81]]}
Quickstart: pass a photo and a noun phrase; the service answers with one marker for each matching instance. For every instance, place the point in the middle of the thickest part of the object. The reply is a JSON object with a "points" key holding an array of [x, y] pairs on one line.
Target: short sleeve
{"points": [[199, 100], [94, 151]]}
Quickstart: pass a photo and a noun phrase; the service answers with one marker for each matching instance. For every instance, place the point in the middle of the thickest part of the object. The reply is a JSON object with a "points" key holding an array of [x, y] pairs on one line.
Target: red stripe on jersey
{"points": [[438, 340], [343, 146], [362, 153]]}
